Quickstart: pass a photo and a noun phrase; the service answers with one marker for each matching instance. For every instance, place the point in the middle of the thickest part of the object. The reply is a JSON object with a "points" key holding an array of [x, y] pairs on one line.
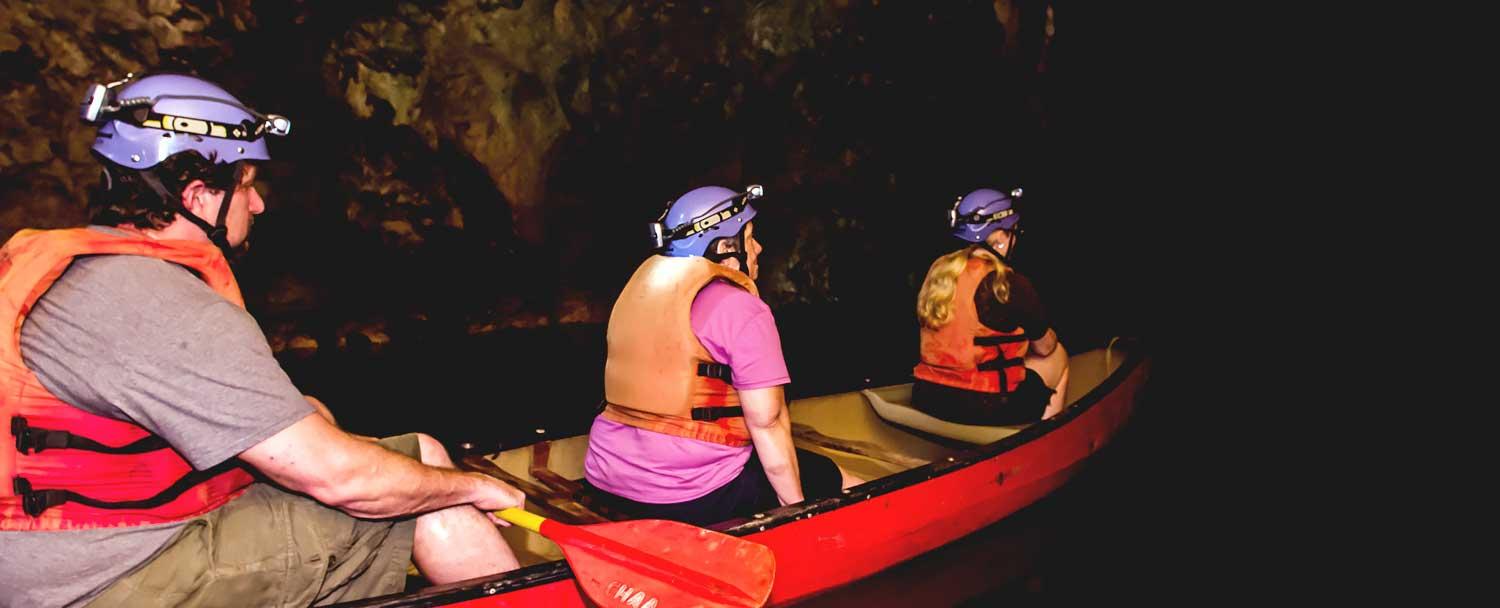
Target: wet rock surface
{"points": [[460, 169]]}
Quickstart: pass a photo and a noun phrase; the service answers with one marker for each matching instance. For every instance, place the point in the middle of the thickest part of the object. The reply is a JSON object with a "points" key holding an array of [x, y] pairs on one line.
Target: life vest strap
{"points": [[716, 370], [998, 340], [710, 414], [31, 439], [1000, 364], [35, 501]]}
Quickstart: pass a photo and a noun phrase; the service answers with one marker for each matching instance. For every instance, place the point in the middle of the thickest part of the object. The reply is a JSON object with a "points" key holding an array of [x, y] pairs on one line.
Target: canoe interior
{"points": [[841, 426]]}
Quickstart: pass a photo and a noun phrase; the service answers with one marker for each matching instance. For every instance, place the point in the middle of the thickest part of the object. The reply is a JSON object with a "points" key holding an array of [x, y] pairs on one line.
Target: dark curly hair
{"points": [[127, 199]]}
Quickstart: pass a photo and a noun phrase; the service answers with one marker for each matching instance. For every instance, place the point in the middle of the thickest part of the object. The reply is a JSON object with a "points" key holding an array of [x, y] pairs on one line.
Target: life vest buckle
{"points": [[19, 428], [716, 370], [710, 414], [30, 440], [34, 502]]}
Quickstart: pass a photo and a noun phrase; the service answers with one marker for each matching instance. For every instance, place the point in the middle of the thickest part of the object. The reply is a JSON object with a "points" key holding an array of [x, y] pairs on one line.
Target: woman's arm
{"points": [[1043, 346], [770, 426]]}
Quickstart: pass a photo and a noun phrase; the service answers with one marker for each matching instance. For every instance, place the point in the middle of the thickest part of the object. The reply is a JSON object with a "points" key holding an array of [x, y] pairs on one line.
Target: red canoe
{"points": [[931, 483]]}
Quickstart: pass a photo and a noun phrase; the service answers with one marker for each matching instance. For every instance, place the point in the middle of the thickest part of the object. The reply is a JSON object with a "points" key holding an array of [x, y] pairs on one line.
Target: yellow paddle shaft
{"points": [[525, 519]]}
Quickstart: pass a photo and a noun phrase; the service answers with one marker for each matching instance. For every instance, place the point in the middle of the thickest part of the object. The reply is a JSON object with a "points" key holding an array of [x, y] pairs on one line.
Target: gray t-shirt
{"points": [[141, 339]]}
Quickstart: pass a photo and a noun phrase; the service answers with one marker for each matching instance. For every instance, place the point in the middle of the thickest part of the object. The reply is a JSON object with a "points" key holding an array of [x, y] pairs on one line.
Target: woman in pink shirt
{"points": [[695, 426]]}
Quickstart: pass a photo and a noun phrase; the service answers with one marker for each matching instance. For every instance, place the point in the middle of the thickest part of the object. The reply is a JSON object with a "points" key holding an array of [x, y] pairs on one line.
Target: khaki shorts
{"points": [[273, 548]]}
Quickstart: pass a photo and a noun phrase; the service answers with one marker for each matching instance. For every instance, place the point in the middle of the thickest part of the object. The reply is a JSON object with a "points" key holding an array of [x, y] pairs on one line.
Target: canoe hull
{"points": [[822, 552], [832, 542]]}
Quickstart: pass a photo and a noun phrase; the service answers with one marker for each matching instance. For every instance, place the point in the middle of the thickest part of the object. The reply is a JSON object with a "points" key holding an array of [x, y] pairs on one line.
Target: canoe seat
{"points": [[895, 407]]}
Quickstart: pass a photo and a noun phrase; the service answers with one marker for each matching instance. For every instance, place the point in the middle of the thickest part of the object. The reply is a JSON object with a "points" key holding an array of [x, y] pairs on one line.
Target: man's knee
{"points": [[433, 452]]}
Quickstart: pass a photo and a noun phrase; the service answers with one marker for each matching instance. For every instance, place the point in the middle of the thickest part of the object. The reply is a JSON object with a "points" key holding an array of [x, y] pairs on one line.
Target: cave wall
{"points": [[474, 165]]}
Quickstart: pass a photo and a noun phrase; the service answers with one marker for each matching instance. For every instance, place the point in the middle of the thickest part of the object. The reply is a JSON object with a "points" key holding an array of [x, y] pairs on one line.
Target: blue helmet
{"points": [[144, 121], [976, 215], [700, 217]]}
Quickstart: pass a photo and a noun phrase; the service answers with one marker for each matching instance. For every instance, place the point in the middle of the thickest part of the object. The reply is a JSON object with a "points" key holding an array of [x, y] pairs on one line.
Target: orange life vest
{"points": [[965, 353], [65, 468], [657, 375]]}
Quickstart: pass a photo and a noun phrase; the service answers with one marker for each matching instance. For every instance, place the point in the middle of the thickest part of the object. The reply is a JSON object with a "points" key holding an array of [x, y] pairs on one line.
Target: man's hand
{"points": [[494, 495]]}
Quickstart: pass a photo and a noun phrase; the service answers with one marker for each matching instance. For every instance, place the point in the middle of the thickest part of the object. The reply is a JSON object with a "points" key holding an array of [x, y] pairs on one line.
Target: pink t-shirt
{"points": [[645, 466]]}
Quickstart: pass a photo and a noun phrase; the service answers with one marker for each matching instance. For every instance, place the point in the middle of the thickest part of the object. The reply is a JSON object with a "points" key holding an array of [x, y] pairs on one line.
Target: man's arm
{"points": [[366, 480], [322, 409], [770, 426], [328, 414]]}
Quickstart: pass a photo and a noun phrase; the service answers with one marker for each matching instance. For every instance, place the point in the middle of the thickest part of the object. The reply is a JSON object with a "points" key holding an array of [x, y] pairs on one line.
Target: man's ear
{"points": [[193, 195], [725, 245]]}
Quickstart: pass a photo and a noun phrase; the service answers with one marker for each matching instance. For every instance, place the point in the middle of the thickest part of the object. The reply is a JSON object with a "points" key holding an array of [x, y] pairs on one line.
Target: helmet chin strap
{"points": [[1014, 238], [987, 247], [217, 232], [740, 254]]}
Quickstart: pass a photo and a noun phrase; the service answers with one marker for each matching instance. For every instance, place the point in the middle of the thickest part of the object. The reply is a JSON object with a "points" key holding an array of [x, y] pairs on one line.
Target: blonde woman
{"points": [[989, 356]]}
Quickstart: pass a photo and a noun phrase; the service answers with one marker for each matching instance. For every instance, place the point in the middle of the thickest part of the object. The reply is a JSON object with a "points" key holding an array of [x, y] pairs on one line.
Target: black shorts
{"points": [[1021, 406], [747, 494]]}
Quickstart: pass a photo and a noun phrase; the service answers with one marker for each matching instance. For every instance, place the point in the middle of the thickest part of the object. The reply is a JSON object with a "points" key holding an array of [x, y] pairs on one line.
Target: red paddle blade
{"points": [[653, 563]]}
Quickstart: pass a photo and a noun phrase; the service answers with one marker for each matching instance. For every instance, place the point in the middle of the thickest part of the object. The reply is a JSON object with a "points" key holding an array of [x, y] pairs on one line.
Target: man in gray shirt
{"points": [[157, 338]]}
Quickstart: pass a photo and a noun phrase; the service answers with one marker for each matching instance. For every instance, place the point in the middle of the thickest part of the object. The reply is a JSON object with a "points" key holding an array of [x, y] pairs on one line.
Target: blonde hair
{"points": [[935, 300]]}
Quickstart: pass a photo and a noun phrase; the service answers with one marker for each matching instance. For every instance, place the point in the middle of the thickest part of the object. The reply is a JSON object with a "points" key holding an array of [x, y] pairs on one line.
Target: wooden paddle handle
{"points": [[525, 519]]}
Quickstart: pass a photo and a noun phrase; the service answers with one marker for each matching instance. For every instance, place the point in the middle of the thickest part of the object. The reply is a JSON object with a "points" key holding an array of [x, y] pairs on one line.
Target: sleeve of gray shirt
{"points": [[145, 340]]}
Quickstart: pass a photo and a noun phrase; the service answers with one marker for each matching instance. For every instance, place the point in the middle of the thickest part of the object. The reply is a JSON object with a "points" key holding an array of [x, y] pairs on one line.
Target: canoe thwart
{"points": [[807, 435], [560, 505]]}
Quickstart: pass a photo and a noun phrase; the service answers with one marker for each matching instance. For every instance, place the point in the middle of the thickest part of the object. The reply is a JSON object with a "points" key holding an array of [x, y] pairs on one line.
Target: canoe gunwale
{"points": [[552, 572], [451, 593], [897, 481]]}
